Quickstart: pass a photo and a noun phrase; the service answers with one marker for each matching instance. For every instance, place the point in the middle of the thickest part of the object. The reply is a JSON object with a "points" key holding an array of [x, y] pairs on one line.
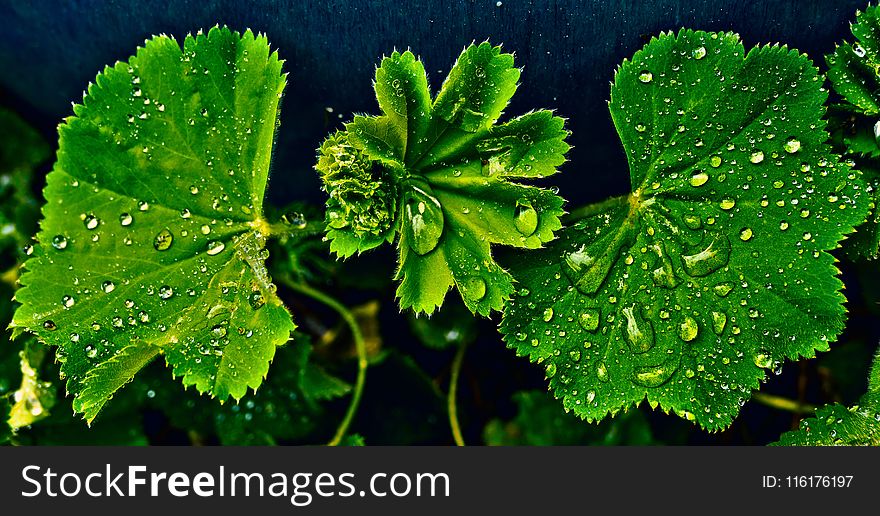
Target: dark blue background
{"points": [[50, 50]]}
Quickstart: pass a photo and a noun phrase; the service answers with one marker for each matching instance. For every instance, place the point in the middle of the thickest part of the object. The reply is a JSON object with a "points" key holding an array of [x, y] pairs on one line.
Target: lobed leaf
{"points": [[437, 178], [152, 241], [715, 268], [854, 71]]}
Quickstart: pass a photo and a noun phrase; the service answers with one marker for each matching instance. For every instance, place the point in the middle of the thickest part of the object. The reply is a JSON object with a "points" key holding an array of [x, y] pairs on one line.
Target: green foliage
{"points": [[286, 407], [715, 268], [541, 422], [152, 241], [854, 71], [837, 425], [439, 177]]}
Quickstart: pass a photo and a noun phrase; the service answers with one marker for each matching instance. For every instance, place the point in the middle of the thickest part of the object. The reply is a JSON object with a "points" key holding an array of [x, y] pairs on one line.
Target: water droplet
{"points": [[143, 205], [722, 289], [792, 145], [185, 213], [425, 217], [256, 300], [108, 286], [699, 178], [709, 259], [727, 204], [551, 370], [589, 319], [59, 242], [165, 292], [692, 221], [74, 337], [715, 161], [602, 372], [474, 288], [126, 219], [858, 50], [746, 234], [548, 314], [68, 301], [656, 375], [699, 52], [756, 157], [194, 189], [144, 317], [91, 351], [639, 332], [50, 325], [688, 329], [525, 217], [215, 247], [763, 360], [91, 222], [719, 321], [646, 76], [163, 240]]}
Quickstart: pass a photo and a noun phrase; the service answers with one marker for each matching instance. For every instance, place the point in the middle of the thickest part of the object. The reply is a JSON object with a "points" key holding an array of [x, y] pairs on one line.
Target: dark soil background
{"points": [[50, 50]]}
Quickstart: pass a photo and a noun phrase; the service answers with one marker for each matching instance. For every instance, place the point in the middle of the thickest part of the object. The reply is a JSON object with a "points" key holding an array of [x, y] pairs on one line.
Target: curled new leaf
{"points": [[152, 241], [715, 268], [437, 176]]}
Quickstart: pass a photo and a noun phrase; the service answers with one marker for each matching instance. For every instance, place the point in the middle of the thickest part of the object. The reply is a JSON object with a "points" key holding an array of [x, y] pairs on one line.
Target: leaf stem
{"points": [[453, 391], [360, 346], [781, 403]]}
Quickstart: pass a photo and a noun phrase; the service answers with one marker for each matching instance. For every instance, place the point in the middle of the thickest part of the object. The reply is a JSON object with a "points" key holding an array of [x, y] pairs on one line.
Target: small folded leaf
{"points": [[437, 177], [716, 267], [153, 235], [854, 71]]}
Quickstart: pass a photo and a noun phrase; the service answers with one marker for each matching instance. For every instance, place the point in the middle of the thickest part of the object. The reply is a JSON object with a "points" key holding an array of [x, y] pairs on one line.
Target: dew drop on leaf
{"points": [[688, 329], [525, 217], [163, 240], [215, 247], [91, 222], [59, 242], [719, 321], [589, 319], [645, 76], [699, 178], [639, 332], [709, 259]]}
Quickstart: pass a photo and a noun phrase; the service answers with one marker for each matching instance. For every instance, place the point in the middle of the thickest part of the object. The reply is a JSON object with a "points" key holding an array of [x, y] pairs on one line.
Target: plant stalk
{"points": [[451, 406], [360, 346]]}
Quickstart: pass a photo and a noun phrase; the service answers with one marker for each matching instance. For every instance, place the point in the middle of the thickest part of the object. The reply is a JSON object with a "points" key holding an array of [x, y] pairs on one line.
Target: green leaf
{"points": [[715, 268], [540, 421], [854, 71], [285, 407], [837, 425], [35, 397], [439, 177], [152, 240]]}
